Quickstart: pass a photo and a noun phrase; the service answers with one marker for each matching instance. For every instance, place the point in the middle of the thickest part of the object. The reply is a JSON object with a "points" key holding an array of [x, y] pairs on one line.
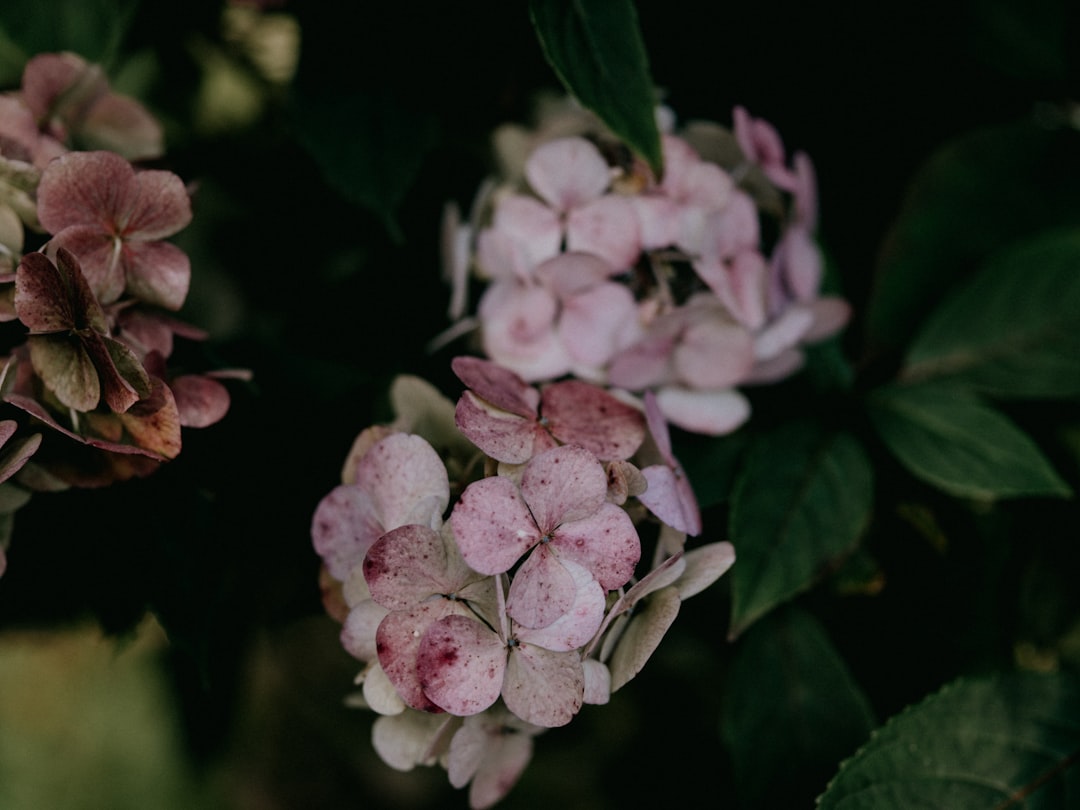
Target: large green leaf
{"points": [[596, 49], [1014, 329], [949, 438], [801, 502], [791, 707], [369, 146], [973, 197], [997, 742]]}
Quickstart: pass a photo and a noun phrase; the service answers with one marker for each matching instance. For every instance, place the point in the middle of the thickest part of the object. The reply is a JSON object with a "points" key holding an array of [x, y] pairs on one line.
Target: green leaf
{"points": [[801, 502], [791, 707], [1014, 329], [973, 197], [596, 49], [949, 438], [368, 146], [1007, 741], [92, 28]]}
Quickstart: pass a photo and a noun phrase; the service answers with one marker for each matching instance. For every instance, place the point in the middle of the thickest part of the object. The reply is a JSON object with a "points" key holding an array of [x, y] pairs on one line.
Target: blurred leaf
{"points": [[801, 501], [791, 707], [368, 146], [87, 723], [91, 28], [596, 49], [1006, 741], [949, 438], [973, 197], [1025, 39], [1014, 329]]}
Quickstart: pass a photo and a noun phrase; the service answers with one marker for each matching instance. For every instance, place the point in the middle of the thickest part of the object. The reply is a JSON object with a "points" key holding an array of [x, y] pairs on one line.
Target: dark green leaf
{"points": [[800, 503], [91, 28], [1014, 329], [369, 147], [949, 438], [972, 198], [596, 49], [1008, 741], [791, 707]]}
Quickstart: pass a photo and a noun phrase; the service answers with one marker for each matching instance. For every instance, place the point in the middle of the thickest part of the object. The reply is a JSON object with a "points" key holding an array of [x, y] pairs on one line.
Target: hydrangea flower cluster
{"points": [[687, 285], [485, 561], [84, 268]]}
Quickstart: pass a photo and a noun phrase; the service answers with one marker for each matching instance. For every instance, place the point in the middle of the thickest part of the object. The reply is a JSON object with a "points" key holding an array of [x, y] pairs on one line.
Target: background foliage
{"points": [[903, 510]]}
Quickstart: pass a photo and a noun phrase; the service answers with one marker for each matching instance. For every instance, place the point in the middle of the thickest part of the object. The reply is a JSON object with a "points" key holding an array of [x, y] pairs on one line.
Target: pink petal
{"points": [[563, 484], [343, 528], [542, 591], [359, 629], [572, 273], [161, 206], [714, 353], [406, 740], [776, 368], [500, 386], [398, 642], [99, 256], [202, 401], [407, 481], [499, 434], [739, 283], [493, 525], [409, 564], [596, 324], [670, 497], [567, 172], [543, 687], [530, 225], [724, 233], [461, 664], [783, 333], [658, 428], [831, 314], [801, 263], [122, 125], [645, 364], [658, 220], [518, 330], [87, 188], [47, 76], [576, 625], [584, 414], [606, 543], [497, 753], [805, 192], [499, 254], [158, 273], [713, 413], [607, 227]]}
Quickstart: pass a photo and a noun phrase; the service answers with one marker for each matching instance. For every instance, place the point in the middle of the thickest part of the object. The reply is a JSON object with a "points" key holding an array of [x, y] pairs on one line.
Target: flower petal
{"points": [[158, 273], [670, 497], [542, 591], [201, 400], [398, 641], [643, 635], [578, 623], [343, 528], [605, 542], [493, 525], [713, 413], [407, 481], [567, 172], [607, 227], [461, 664], [586, 415], [543, 687], [563, 484], [497, 385]]}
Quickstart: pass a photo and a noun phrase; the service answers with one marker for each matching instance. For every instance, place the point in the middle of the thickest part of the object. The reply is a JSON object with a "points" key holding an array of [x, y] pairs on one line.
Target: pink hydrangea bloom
{"points": [[571, 178], [113, 219]]}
